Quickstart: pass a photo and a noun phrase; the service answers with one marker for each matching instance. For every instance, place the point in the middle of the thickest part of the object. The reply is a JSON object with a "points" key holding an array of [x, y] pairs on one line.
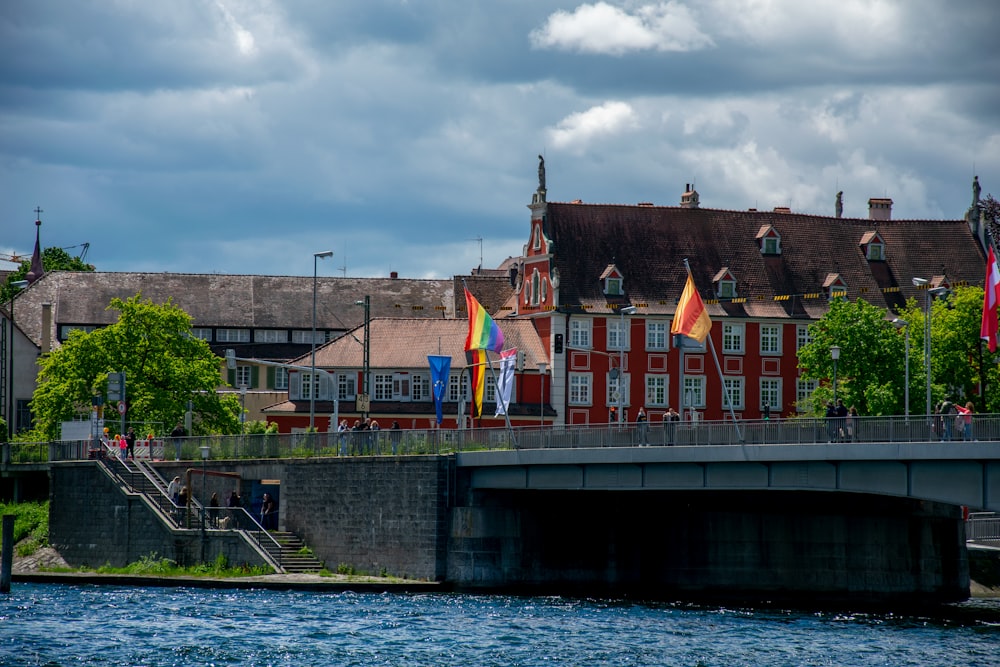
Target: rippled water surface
{"points": [[103, 625]]}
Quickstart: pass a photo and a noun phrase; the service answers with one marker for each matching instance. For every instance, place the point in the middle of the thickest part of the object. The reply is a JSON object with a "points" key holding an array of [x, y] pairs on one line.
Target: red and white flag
{"points": [[991, 298]]}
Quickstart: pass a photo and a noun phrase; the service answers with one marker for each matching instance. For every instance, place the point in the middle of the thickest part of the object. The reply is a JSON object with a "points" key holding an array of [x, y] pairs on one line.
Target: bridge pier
{"points": [[770, 545]]}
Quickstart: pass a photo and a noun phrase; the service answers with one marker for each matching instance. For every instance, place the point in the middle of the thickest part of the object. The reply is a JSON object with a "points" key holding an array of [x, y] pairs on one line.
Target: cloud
{"points": [[604, 29], [577, 130]]}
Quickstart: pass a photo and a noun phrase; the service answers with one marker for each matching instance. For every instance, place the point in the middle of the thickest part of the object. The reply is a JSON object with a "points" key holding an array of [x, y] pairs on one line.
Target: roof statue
{"points": [[976, 190], [541, 174], [840, 204]]}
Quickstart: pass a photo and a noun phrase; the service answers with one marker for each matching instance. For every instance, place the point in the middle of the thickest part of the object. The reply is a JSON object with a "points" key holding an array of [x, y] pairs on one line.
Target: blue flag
{"points": [[440, 371]]}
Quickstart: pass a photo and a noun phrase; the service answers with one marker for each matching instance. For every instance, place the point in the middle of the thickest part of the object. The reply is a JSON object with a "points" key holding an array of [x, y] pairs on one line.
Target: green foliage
{"points": [[260, 427], [153, 565], [31, 525], [53, 259], [870, 370], [164, 365]]}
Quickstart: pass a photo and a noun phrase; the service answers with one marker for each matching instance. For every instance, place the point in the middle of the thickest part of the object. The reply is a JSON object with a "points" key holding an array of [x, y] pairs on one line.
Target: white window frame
{"points": [[270, 335], [304, 336], [658, 390], [736, 392], [420, 387], [242, 376], [770, 393], [876, 252], [694, 386], [771, 245], [456, 391], [347, 386], [580, 333], [618, 333], [580, 388], [802, 336], [202, 333], [623, 381], [613, 286], [232, 335], [306, 387], [770, 339], [733, 335], [657, 335], [727, 289], [281, 378], [803, 394], [382, 387]]}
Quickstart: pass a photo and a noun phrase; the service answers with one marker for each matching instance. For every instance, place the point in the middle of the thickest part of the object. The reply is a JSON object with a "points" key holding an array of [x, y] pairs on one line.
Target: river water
{"points": [[57, 624]]}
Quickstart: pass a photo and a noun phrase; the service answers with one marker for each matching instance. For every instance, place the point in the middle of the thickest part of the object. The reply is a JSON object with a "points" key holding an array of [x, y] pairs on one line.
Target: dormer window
{"points": [[614, 281], [835, 286], [725, 284], [769, 240], [874, 247]]}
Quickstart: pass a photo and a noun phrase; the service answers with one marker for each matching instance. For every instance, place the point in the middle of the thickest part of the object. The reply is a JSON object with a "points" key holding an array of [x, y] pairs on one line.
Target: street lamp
{"points": [[835, 353], [542, 367], [204, 486], [903, 324], [366, 360], [243, 408], [622, 312], [931, 293], [312, 341], [18, 285]]}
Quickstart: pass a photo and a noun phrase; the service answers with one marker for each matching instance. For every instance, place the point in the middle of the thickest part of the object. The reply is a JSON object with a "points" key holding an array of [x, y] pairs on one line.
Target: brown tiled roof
{"points": [[236, 301], [401, 344], [649, 245], [492, 291]]}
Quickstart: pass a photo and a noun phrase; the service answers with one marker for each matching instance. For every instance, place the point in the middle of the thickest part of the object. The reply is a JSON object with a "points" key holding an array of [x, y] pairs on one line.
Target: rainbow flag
{"points": [[484, 334]]}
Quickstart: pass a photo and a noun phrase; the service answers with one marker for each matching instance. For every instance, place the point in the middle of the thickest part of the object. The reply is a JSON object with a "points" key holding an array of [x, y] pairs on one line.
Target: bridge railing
{"points": [[405, 442], [983, 527]]}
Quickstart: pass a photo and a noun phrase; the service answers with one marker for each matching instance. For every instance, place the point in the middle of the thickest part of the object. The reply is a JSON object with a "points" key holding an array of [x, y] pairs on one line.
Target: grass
{"points": [[31, 525], [154, 566]]}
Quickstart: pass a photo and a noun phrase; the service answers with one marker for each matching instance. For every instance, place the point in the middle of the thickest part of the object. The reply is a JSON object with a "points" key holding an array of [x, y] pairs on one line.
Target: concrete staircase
{"points": [[292, 561]]}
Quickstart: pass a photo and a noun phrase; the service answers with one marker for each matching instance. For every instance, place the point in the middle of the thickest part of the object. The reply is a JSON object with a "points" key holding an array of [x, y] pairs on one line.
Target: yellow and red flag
{"points": [[691, 318]]}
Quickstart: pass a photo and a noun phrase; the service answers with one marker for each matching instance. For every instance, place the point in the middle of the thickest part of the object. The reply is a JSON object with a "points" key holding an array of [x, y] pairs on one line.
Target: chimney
{"points": [[690, 197], [782, 209], [393, 275], [879, 209], [46, 328]]}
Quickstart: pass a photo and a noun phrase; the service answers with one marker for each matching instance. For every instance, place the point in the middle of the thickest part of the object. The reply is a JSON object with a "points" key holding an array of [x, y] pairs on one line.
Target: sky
{"points": [[243, 136]]}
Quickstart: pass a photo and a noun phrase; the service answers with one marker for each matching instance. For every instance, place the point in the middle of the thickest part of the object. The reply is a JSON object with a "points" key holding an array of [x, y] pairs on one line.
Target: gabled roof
{"points": [[401, 343], [235, 301], [650, 244]]}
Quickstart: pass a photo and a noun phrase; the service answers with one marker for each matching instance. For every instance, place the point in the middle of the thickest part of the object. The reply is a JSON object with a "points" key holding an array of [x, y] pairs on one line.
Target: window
{"points": [[420, 387], [732, 339], [346, 386], [66, 329], [545, 290], [770, 393], [280, 378], [232, 335], [656, 390], [579, 333], [727, 289], [202, 333], [243, 375], [613, 385], [656, 335], [579, 389], [802, 336], [617, 334], [537, 242], [772, 246], [383, 386], [613, 286], [770, 339], [876, 252], [694, 391], [803, 394], [270, 336], [309, 388], [307, 337], [455, 391], [535, 278], [735, 387]]}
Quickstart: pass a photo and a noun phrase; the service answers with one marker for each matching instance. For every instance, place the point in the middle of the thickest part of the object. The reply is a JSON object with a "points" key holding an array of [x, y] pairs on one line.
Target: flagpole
{"points": [[718, 368]]}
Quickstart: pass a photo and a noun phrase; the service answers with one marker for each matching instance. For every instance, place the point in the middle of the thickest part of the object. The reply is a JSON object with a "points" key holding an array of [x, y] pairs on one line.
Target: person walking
{"points": [[130, 444], [641, 426], [671, 418], [964, 420]]}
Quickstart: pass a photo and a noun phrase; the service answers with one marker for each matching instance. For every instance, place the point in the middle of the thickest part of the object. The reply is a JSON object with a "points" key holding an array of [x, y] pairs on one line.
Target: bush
{"points": [[31, 523]]}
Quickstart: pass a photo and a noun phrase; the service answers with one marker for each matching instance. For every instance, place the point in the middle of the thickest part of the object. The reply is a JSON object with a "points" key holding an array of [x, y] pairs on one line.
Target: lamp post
{"points": [[835, 354], [312, 342], [204, 486], [366, 360], [243, 408], [903, 324], [542, 367], [622, 312], [931, 293], [17, 285]]}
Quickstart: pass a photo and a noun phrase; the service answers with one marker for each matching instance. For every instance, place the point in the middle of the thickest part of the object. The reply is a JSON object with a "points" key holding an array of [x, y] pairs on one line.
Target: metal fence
{"points": [[983, 527], [986, 427]]}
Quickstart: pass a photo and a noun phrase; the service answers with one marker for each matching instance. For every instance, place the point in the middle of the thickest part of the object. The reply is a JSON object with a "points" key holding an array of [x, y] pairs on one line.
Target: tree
{"points": [[53, 259], [165, 367], [870, 371]]}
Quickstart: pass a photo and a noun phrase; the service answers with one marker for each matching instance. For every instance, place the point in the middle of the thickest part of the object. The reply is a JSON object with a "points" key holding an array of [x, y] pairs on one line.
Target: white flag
{"points": [[508, 359]]}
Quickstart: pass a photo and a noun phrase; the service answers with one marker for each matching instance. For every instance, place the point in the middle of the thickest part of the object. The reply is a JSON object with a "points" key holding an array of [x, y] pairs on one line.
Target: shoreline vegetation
{"points": [[36, 560]]}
